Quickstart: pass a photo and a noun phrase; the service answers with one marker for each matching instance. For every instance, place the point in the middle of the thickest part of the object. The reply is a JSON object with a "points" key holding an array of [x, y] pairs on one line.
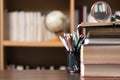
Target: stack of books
{"points": [[101, 56], [100, 60]]}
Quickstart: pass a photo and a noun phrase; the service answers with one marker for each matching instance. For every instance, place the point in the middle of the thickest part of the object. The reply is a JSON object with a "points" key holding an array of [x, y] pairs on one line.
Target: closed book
{"points": [[97, 24], [13, 25], [34, 26], [108, 32], [29, 26], [27, 29], [101, 53], [100, 61], [102, 41], [39, 27], [21, 26], [101, 29], [101, 70]]}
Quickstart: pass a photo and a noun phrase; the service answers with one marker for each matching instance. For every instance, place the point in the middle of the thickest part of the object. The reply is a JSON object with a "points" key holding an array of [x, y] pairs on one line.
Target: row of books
{"points": [[21, 67], [26, 26]]}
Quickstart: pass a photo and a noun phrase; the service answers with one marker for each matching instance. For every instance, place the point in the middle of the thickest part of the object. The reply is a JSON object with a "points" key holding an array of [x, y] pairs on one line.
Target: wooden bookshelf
{"points": [[45, 6], [1, 34]]}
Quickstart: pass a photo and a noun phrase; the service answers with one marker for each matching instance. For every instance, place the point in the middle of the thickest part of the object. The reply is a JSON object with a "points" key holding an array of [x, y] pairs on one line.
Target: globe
{"points": [[101, 11], [56, 21]]}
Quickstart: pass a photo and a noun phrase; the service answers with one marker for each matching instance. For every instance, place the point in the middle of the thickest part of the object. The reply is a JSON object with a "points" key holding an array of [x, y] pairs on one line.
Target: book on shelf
{"points": [[20, 26], [12, 21], [27, 26]]}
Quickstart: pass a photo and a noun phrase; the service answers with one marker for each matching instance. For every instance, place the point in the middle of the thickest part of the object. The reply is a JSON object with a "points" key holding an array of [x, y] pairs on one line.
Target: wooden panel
{"points": [[34, 44], [0, 38], [72, 15], [38, 75], [1, 34], [47, 75]]}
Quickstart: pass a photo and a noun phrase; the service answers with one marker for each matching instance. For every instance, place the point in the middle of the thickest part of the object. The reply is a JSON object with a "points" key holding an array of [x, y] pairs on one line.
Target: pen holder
{"points": [[73, 61]]}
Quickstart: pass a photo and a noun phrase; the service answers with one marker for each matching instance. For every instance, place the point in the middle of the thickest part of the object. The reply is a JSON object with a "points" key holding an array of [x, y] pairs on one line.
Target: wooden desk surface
{"points": [[44, 75]]}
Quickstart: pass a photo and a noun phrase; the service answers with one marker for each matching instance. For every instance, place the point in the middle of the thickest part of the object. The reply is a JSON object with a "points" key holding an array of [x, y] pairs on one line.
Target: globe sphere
{"points": [[56, 21], [101, 11]]}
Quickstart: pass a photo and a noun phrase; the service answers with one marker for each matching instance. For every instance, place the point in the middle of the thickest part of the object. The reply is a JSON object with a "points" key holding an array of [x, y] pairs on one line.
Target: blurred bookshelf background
{"points": [[27, 44]]}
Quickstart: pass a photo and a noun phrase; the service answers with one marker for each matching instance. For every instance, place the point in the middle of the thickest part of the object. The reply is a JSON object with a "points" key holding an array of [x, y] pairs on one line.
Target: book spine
{"points": [[13, 21], [20, 25]]}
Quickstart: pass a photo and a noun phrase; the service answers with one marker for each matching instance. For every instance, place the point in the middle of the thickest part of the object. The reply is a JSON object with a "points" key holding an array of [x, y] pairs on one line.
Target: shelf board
{"points": [[33, 44]]}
